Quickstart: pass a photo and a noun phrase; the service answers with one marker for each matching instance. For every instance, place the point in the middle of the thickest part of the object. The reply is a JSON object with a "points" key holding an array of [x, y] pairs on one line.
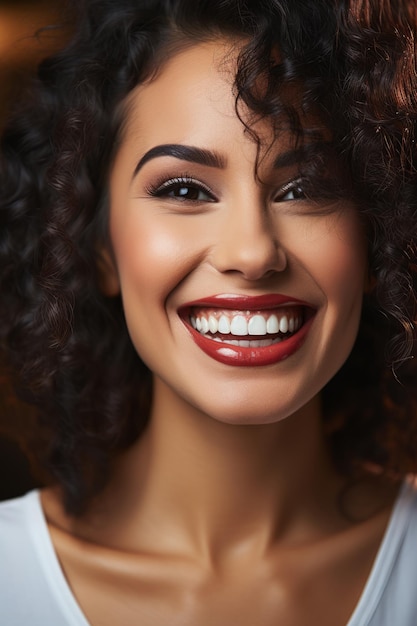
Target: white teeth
{"points": [[272, 325], [242, 343], [283, 324], [213, 324], [239, 325], [224, 325], [257, 325]]}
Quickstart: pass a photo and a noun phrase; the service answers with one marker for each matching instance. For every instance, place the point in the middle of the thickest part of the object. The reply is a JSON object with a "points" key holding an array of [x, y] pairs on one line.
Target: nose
{"points": [[247, 242]]}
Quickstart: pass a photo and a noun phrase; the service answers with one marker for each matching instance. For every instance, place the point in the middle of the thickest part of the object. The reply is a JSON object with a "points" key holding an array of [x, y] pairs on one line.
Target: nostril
{"points": [[253, 262]]}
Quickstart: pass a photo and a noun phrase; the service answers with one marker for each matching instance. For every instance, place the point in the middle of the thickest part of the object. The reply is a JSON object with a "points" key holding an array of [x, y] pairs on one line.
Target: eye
{"points": [[183, 189], [291, 191]]}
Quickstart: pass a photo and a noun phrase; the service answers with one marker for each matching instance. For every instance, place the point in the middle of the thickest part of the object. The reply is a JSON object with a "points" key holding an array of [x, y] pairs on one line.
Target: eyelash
{"points": [[162, 188], [293, 185]]}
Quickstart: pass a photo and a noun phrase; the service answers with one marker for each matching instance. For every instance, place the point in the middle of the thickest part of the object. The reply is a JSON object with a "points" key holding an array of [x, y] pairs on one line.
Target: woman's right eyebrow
{"points": [[184, 153]]}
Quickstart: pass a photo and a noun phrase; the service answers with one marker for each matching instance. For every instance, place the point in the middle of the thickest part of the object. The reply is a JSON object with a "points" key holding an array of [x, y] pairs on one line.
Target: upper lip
{"points": [[247, 303]]}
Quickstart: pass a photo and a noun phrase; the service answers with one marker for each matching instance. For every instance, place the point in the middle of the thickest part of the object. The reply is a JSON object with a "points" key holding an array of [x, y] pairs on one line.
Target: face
{"points": [[241, 294]]}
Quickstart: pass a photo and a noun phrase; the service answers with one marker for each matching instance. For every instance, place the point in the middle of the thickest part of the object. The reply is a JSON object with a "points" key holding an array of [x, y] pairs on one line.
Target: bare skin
{"points": [[237, 526], [227, 511]]}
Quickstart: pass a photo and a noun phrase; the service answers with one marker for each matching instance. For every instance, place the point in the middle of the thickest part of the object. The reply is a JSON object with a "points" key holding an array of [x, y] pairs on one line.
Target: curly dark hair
{"points": [[67, 343]]}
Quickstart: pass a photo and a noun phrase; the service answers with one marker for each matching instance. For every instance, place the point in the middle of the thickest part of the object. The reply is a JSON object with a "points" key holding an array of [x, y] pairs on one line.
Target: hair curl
{"points": [[68, 344]]}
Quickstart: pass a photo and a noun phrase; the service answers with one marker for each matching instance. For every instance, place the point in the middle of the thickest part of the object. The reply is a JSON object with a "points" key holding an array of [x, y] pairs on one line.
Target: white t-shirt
{"points": [[34, 591]]}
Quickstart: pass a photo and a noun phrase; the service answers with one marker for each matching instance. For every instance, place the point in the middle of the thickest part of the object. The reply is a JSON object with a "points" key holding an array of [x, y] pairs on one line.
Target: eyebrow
{"points": [[184, 153], [214, 159], [294, 157]]}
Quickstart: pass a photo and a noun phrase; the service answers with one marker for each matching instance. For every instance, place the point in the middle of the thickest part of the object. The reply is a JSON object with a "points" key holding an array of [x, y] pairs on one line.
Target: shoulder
{"points": [[17, 517], [399, 598], [400, 545], [390, 596], [32, 587], [402, 530], [18, 560], [19, 555], [407, 517]]}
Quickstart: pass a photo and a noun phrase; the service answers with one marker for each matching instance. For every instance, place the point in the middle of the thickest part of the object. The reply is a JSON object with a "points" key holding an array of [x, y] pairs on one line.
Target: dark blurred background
{"points": [[22, 46]]}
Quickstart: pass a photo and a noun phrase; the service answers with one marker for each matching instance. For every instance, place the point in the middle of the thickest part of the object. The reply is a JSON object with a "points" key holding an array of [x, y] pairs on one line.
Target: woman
{"points": [[202, 284]]}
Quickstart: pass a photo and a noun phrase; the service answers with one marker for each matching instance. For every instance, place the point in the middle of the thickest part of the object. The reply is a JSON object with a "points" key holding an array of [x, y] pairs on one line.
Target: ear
{"points": [[109, 283]]}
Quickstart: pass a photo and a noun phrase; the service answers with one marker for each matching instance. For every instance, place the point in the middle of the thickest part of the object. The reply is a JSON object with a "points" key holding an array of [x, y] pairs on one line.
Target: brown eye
{"points": [[187, 192], [183, 190], [292, 191]]}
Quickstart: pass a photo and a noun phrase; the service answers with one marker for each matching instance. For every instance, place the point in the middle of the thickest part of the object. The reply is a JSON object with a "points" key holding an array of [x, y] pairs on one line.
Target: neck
{"points": [[212, 485]]}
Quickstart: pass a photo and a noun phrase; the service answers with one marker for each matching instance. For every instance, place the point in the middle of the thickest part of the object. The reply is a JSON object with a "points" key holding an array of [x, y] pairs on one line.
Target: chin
{"points": [[252, 412]]}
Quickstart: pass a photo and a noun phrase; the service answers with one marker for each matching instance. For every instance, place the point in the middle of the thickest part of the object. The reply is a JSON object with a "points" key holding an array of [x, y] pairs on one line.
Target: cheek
{"points": [[139, 245], [154, 253], [341, 271], [347, 269], [333, 251], [339, 264]]}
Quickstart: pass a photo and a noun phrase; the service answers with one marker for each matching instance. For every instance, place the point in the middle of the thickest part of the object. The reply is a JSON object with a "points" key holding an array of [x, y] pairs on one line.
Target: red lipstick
{"points": [[251, 356], [249, 303]]}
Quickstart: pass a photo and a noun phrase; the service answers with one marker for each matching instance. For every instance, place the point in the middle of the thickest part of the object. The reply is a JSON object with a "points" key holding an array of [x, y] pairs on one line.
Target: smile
{"points": [[248, 331], [226, 326]]}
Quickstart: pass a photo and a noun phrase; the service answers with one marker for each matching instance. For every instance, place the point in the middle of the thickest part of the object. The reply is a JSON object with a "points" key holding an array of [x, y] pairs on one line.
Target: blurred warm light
{"points": [[22, 46], [19, 43], [20, 51], [29, 31]]}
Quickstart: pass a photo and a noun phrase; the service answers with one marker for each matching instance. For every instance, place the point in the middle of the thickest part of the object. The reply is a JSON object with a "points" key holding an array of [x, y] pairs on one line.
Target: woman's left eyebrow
{"points": [[306, 152], [184, 153]]}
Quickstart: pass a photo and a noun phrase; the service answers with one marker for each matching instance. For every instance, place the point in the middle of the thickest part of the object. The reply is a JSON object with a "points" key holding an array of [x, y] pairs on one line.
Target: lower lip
{"points": [[251, 357]]}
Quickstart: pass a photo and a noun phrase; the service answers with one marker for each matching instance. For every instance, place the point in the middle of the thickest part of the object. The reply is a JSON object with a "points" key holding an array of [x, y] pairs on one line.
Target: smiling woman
{"points": [[210, 301], [219, 242]]}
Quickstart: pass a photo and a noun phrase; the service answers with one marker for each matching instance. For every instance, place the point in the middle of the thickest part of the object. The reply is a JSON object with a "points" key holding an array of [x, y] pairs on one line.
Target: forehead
{"points": [[192, 100], [196, 83]]}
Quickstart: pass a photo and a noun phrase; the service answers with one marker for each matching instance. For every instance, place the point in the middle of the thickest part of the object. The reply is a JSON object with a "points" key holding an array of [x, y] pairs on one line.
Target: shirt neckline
{"points": [[362, 613], [49, 561], [385, 557]]}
